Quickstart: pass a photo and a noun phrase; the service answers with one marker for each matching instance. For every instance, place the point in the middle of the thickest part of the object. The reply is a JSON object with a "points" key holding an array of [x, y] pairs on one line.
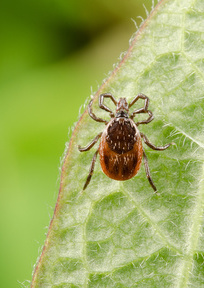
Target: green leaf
{"points": [[121, 234]]}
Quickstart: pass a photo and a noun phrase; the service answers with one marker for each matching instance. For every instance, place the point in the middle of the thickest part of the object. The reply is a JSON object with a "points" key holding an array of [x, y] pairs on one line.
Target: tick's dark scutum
{"points": [[121, 135]]}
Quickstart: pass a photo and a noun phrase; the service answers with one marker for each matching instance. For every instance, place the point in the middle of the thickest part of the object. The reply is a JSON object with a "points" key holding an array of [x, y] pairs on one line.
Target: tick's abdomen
{"points": [[120, 149]]}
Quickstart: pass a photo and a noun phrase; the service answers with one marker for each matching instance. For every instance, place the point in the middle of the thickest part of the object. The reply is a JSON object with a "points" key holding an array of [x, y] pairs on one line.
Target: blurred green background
{"points": [[51, 54]]}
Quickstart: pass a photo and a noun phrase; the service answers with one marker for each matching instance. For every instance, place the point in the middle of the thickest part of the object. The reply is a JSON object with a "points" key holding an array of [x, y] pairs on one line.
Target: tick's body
{"points": [[120, 148]]}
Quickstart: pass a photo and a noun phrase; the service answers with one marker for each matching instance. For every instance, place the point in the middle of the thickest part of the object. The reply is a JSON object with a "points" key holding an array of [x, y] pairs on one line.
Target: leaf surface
{"points": [[121, 234]]}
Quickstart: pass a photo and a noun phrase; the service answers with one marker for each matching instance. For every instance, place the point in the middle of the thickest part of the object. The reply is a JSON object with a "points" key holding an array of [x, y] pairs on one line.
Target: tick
{"points": [[120, 147]]}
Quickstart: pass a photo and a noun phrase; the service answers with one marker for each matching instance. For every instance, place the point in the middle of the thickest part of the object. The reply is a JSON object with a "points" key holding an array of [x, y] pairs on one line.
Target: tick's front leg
{"points": [[101, 103], [93, 116]]}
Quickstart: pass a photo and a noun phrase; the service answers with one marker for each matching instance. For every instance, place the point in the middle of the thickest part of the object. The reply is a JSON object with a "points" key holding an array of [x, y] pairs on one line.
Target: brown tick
{"points": [[120, 148]]}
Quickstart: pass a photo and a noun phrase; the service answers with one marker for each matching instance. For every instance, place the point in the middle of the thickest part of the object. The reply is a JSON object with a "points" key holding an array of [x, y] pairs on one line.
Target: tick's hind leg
{"points": [[90, 145], [88, 179], [148, 172], [152, 146]]}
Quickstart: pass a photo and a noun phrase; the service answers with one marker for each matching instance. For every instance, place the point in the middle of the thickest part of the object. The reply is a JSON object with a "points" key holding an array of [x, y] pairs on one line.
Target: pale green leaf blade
{"points": [[120, 234]]}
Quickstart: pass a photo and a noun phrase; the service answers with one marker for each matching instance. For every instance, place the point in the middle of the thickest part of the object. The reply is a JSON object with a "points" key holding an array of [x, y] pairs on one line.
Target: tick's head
{"points": [[122, 108]]}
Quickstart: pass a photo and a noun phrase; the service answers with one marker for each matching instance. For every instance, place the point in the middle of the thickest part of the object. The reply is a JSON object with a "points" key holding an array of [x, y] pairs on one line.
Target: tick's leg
{"points": [[140, 96], [90, 145], [141, 110], [148, 172], [102, 106], [88, 179], [151, 117], [146, 141], [93, 116]]}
